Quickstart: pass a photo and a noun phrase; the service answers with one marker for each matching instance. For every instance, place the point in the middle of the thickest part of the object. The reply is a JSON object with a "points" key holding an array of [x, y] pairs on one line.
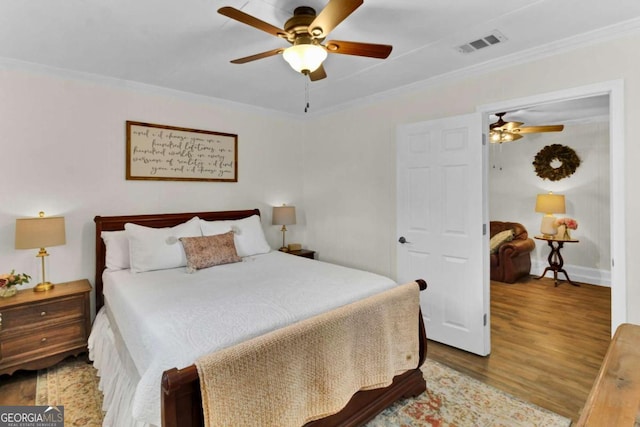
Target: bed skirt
{"points": [[116, 382]]}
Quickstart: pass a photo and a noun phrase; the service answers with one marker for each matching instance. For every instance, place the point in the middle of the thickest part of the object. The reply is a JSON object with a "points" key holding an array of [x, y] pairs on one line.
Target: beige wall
{"points": [[350, 155], [63, 145], [63, 152]]}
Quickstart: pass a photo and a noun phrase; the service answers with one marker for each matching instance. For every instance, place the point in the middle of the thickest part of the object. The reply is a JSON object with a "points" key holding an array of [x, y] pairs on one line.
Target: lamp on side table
{"points": [[41, 232], [284, 215], [549, 204]]}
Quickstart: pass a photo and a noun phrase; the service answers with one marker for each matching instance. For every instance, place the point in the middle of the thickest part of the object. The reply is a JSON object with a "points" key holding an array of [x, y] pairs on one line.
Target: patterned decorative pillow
{"points": [[498, 239], [207, 251]]}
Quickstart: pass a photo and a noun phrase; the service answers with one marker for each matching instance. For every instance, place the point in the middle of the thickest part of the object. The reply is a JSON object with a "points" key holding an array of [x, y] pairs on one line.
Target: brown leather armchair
{"points": [[513, 259]]}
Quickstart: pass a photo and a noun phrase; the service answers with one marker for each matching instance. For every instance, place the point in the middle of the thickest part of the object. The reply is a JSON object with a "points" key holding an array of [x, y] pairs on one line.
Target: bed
{"points": [[180, 393]]}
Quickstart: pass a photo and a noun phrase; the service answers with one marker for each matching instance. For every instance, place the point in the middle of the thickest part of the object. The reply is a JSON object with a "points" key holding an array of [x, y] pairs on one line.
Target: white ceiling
{"points": [[186, 45]]}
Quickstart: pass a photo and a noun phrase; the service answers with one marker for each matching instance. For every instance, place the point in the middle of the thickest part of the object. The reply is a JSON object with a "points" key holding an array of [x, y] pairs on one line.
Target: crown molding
{"points": [[143, 88]]}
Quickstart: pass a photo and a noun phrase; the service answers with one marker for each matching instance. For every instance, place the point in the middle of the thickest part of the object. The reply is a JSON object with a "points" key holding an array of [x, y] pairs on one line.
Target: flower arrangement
{"points": [[569, 223], [9, 281]]}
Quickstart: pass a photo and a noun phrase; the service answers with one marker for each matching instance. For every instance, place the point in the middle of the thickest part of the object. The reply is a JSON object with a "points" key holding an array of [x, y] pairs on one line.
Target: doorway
{"points": [[421, 140], [613, 90]]}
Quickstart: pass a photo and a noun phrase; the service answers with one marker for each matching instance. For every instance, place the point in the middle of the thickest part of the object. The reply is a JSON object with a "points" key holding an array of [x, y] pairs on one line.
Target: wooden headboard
{"points": [[114, 223]]}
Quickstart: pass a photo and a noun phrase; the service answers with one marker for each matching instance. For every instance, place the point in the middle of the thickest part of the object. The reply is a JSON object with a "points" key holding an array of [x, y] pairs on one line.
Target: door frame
{"points": [[615, 90]]}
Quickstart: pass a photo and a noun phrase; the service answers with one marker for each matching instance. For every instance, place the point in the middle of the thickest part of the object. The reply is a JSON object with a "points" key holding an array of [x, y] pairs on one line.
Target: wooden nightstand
{"points": [[305, 253], [39, 329]]}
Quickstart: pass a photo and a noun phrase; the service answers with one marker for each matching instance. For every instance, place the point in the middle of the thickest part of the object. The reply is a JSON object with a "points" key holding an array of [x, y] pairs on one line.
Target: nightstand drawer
{"points": [[69, 335], [31, 315], [39, 329]]}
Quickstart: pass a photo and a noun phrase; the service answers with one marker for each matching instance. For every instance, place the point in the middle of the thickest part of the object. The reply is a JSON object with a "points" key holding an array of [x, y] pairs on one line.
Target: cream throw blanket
{"points": [[312, 368]]}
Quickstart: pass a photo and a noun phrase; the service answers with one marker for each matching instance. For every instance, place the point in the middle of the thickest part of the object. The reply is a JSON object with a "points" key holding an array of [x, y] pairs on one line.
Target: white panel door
{"points": [[441, 227]]}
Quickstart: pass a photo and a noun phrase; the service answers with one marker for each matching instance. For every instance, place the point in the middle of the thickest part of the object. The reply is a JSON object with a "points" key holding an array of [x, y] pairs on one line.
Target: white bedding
{"points": [[168, 318]]}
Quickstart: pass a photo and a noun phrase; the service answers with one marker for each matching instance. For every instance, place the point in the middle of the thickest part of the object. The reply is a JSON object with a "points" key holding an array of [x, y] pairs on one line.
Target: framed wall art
{"points": [[159, 152]]}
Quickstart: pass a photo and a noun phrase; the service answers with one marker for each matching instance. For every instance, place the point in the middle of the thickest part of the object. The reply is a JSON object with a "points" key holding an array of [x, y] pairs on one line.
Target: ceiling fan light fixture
{"points": [[494, 136], [305, 58], [500, 136]]}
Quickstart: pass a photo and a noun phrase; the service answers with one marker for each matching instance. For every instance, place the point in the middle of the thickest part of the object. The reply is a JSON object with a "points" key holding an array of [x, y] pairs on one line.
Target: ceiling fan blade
{"points": [[371, 50], [536, 129], [318, 74], [511, 126], [333, 14], [245, 18], [257, 56]]}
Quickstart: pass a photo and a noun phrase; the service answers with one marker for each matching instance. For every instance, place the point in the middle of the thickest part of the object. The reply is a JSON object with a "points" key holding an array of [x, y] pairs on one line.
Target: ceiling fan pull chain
{"points": [[496, 156], [493, 155], [306, 94]]}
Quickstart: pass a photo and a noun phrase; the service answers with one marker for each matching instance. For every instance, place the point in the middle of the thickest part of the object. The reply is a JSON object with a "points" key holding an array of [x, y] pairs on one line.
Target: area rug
{"points": [[452, 399], [72, 383]]}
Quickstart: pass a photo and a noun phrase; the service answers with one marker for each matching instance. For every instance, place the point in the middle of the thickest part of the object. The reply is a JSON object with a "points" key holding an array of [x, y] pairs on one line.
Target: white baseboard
{"points": [[576, 274]]}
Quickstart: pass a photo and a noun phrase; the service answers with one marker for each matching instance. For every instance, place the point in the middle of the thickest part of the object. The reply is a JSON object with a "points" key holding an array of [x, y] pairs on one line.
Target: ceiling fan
{"points": [[306, 31], [502, 131]]}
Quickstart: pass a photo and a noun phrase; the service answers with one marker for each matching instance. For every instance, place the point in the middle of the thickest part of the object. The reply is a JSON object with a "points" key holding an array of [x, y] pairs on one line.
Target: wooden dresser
{"points": [[39, 329], [615, 397]]}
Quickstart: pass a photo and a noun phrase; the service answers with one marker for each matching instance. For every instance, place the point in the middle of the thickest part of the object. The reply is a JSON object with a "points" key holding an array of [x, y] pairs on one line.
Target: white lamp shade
{"points": [[284, 215], [550, 203], [32, 233], [305, 57]]}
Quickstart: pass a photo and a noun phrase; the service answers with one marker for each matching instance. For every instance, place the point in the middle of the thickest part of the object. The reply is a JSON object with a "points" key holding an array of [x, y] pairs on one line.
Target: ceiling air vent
{"points": [[494, 38]]}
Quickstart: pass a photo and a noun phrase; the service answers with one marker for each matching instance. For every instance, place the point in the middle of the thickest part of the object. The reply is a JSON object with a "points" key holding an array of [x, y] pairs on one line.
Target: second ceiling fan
{"points": [[306, 31], [502, 131]]}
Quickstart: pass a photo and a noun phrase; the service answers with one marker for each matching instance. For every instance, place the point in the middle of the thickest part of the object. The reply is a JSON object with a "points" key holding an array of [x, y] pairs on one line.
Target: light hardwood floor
{"points": [[547, 346], [547, 343]]}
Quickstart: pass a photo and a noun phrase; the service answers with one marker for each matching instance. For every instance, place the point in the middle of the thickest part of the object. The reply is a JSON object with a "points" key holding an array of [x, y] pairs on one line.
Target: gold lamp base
{"points": [[41, 287], [44, 285], [284, 247]]}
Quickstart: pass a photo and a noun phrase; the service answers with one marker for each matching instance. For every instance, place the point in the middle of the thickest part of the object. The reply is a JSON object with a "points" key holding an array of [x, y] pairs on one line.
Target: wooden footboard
{"points": [[182, 401]]}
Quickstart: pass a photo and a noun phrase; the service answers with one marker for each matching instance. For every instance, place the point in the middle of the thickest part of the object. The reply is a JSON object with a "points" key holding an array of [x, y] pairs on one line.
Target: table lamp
{"points": [[549, 204], [41, 232], [284, 215]]}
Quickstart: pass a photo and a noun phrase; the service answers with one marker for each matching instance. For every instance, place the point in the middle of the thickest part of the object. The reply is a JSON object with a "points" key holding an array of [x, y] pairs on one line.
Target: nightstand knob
{"points": [[43, 340], [44, 313]]}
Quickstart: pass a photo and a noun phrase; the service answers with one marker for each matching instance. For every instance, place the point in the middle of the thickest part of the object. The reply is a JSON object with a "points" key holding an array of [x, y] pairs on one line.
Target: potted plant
{"points": [[10, 281]]}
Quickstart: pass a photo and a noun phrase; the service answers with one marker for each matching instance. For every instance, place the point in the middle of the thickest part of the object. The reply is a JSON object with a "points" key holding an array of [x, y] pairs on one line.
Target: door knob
{"points": [[403, 240]]}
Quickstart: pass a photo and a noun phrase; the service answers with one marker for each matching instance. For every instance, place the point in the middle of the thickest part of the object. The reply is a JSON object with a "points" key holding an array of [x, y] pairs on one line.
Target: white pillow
{"points": [[117, 245], [248, 234], [496, 241], [159, 248], [213, 228]]}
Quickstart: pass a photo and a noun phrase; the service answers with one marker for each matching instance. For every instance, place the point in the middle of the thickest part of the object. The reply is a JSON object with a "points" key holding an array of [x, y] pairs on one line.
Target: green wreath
{"points": [[565, 155]]}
